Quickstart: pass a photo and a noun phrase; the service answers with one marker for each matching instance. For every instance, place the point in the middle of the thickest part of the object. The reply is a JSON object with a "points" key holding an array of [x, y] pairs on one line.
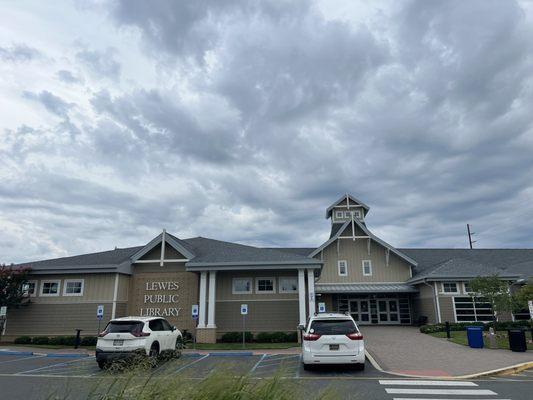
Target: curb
{"points": [[500, 371], [230, 354], [66, 355]]}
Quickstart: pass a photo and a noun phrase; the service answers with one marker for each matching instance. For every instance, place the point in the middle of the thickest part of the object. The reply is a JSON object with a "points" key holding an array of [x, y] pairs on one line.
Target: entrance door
{"points": [[388, 311], [359, 310]]}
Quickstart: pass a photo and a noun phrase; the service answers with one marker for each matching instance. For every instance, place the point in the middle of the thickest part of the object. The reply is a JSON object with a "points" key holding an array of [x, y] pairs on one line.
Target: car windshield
{"points": [[333, 326], [124, 326]]}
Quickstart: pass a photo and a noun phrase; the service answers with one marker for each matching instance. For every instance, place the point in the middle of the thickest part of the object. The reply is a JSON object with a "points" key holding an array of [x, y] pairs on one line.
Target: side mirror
{"points": [[173, 328], [301, 327]]}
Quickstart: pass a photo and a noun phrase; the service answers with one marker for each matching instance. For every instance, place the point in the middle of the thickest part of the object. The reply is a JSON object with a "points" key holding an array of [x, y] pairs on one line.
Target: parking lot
{"points": [[26, 376], [192, 366]]}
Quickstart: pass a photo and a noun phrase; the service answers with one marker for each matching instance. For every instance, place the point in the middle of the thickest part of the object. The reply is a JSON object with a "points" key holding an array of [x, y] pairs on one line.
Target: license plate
{"points": [[334, 347], [118, 342]]}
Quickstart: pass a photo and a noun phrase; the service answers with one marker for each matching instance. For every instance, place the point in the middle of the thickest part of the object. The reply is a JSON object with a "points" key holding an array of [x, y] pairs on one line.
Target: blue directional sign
{"points": [[194, 311], [244, 309], [100, 312]]}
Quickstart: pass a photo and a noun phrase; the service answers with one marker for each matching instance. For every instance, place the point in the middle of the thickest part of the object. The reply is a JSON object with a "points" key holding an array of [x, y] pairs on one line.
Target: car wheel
{"points": [[154, 353], [307, 367], [102, 364], [359, 367]]}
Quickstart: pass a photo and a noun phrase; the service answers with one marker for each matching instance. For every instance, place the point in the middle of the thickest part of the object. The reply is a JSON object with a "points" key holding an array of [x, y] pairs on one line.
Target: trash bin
{"points": [[517, 339], [475, 336]]}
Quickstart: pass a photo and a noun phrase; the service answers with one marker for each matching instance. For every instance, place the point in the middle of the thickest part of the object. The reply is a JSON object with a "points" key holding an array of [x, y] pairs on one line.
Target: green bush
{"points": [[461, 326], [40, 340], [276, 337], [292, 337], [88, 341], [22, 340], [236, 337]]}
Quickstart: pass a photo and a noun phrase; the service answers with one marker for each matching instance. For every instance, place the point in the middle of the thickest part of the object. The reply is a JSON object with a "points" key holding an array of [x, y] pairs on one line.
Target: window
{"points": [[288, 285], [30, 289], [357, 213], [73, 287], [367, 267], [468, 309], [339, 214], [166, 325], [264, 285], [156, 325], [50, 288], [242, 285], [333, 327], [342, 266], [466, 287], [449, 287]]}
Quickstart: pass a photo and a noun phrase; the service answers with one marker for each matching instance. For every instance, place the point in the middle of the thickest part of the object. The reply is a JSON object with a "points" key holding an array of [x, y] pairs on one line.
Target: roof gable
{"points": [[349, 201], [179, 245]]}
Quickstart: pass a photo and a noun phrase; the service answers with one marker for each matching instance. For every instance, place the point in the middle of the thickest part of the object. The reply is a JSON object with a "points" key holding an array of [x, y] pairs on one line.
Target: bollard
{"points": [[447, 327], [492, 338], [77, 341]]}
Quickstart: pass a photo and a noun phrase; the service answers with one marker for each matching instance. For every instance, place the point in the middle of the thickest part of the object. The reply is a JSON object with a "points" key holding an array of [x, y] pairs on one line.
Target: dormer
{"points": [[344, 208]]}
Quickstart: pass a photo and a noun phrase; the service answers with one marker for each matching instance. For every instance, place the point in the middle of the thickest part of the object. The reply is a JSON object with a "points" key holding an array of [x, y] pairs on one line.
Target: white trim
{"points": [[345, 267], [203, 302], [241, 278], [352, 237], [115, 297], [281, 278], [449, 293], [212, 301], [301, 296], [464, 289], [439, 320], [454, 310], [311, 290], [65, 285], [339, 214], [41, 287], [36, 287], [363, 267], [257, 279], [162, 247]]}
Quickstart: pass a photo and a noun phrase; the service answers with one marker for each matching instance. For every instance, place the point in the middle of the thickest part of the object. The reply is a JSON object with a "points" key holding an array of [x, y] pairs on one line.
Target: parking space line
{"points": [[297, 374], [194, 362], [425, 383], [270, 362], [48, 366], [20, 359], [257, 363], [455, 392]]}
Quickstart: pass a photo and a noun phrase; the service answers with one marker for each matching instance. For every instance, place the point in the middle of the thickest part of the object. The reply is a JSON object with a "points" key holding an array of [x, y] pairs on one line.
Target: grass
{"points": [[502, 340], [238, 346]]}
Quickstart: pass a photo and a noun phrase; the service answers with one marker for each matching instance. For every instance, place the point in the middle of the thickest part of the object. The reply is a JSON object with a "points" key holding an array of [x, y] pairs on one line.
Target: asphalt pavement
{"points": [[41, 377]]}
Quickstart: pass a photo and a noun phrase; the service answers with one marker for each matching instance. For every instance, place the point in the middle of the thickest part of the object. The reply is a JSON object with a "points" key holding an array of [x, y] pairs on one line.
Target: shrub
{"points": [[22, 340], [40, 340], [236, 337], [88, 341], [276, 337], [461, 326], [292, 337]]}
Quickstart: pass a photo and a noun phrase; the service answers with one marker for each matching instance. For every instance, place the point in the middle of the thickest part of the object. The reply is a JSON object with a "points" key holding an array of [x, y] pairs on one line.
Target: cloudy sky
{"points": [[243, 121]]}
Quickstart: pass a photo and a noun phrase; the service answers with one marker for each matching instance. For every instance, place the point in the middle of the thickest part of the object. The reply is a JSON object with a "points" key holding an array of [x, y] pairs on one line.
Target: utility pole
{"points": [[470, 241]]}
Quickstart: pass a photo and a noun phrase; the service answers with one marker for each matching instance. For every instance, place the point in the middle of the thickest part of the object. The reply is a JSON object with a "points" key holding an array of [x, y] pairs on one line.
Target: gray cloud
{"points": [[264, 113], [54, 104], [102, 63], [68, 77], [18, 53]]}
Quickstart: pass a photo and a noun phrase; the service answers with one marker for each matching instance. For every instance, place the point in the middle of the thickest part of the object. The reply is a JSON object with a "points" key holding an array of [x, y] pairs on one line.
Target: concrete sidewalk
{"points": [[404, 350]]}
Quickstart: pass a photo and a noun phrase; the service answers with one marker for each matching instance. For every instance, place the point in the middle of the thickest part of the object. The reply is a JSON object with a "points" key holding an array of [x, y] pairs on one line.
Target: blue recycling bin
{"points": [[474, 335]]}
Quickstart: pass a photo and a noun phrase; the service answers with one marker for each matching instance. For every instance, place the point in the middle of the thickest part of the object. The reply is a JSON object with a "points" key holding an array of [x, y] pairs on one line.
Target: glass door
{"points": [[359, 310], [388, 311]]}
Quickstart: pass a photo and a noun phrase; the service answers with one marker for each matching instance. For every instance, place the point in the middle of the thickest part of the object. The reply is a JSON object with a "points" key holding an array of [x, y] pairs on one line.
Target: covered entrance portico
{"points": [[377, 304]]}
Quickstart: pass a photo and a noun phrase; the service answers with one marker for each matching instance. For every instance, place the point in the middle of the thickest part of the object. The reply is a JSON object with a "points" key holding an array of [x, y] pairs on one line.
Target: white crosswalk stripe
{"points": [[454, 390]]}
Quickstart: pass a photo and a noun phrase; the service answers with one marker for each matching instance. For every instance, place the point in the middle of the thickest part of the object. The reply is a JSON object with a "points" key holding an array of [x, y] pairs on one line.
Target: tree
{"points": [[522, 296], [11, 281], [493, 290]]}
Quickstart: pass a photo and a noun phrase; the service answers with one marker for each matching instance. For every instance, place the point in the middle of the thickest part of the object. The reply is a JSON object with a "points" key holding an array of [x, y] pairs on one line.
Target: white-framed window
{"points": [[50, 288], [73, 287], [342, 267], [30, 288], [367, 267], [288, 285], [339, 214], [449, 287], [242, 286], [357, 213], [466, 288], [265, 285]]}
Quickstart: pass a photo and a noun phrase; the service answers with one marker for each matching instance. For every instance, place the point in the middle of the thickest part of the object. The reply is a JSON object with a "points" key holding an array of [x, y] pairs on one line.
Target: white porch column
{"points": [[301, 295], [211, 311], [311, 289], [203, 292]]}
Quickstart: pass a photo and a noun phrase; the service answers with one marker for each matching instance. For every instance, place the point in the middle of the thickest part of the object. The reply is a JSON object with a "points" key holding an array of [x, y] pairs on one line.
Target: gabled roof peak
{"points": [[347, 200]]}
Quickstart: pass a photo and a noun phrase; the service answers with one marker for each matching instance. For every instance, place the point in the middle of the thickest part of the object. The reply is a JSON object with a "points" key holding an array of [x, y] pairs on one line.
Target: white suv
{"points": [[128, 336], [332, 339]]}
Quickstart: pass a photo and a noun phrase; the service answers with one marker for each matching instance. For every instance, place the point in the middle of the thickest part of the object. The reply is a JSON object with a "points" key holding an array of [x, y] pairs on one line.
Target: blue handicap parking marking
{"points": [[64, 367], [285, 365]]}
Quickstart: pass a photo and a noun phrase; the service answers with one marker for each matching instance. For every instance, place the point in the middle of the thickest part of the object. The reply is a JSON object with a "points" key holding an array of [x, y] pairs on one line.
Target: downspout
{"points": [[435, 300]]}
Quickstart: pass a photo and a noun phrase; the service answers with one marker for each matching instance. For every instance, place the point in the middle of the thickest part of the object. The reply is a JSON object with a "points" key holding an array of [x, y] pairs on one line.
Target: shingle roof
{"points": [[450, 263], [210, 251]]}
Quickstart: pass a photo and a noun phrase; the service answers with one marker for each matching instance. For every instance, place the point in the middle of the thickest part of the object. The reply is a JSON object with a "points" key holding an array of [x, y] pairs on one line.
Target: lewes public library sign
{"points": [[157, 304]]}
